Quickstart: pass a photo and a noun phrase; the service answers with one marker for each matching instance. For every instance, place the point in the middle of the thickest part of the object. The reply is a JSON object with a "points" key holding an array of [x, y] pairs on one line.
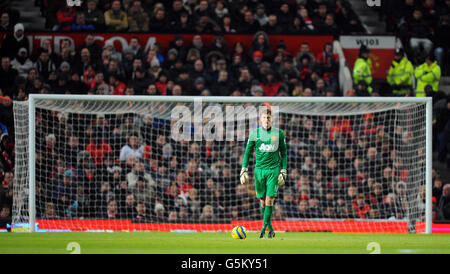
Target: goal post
{"points": [[397, 131]]}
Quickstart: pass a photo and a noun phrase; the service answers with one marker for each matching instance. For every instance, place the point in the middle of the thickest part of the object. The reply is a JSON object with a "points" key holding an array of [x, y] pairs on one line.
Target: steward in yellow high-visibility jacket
{"points": [[400, 74], [362, 69], [429, 73]]}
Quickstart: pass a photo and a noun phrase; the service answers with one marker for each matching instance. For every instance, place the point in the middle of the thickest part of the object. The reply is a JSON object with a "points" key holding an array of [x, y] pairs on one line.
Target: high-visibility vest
{"points": [[362, 71], [427, 75], [400, 74]]}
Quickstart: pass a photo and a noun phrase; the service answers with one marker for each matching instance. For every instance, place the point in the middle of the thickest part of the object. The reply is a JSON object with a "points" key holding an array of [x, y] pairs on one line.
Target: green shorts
{"points": [[266, 182]]}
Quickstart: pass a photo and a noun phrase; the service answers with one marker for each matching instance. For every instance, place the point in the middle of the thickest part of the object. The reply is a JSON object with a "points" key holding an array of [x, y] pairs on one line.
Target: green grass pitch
{"points": [[217, 243]]}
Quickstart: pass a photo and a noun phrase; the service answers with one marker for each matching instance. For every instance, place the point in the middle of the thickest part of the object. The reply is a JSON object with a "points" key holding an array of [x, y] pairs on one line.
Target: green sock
{"points": [[264, 223], [269, 218]]}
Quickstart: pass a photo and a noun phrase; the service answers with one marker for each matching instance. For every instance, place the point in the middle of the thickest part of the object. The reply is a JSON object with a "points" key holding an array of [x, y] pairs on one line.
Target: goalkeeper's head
{"points": [[265, 118]]}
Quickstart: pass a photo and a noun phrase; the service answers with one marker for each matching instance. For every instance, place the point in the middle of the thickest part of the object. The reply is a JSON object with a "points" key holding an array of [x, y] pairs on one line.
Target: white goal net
{"points": [[172, 163]]}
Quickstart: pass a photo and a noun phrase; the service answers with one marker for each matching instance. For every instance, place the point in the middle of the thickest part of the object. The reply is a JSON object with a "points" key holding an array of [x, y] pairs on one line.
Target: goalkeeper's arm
{"points": [[247, 153]]}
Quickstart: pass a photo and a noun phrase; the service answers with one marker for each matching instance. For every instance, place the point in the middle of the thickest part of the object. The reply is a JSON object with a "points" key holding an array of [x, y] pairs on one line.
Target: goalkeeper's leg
{"points": [[271, 193], [268, 214], [260, 188], [262, 203]]}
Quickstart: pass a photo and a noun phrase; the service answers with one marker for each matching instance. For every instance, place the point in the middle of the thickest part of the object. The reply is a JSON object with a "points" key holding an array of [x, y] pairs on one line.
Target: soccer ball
{"points": [[239, 232]]}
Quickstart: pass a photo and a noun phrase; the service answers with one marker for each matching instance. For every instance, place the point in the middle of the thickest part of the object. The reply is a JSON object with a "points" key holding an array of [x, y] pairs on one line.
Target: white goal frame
{"points": [[219, 99]]}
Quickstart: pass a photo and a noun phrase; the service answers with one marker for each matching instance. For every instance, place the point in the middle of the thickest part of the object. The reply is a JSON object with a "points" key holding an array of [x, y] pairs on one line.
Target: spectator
{"points": [[206, 25], [361, 207], [140, 81], [142, 214], [218, 45], [75, 85], [271, 84], [320, 14], [443, 206], [114, 55], [348, 20], [44, 65], [272, 27], [155, 69], [7, 76], [194, 203], [249, 24], [177, 11], [202, 10], [417, 34], [80, 23], [399, 14], [430, 12], [183, 187], [305, 69], [227, 25], [50, 212], [329, 26], [285, 17], [22, 62], [361, 89], [303, 210], [260, 42], [389, 207], [14, 41], [115, 86], [133, 148], [127, 63], [440, 44], [138, 19], [94, 49], [115, 18], [220, 11], [183, 24], [305, 20], [84, 62], [208, 215], [278, 213], [288, 204], [98, 148], [223, 86], [56, 58], [112, 211], [8, 180], [303, 52], [5, 25], [260, 15], [158, 22], [314, 208], [143, 190], [94, 16], [129, 207], [65, 17], [442, 128], [329, 64]]}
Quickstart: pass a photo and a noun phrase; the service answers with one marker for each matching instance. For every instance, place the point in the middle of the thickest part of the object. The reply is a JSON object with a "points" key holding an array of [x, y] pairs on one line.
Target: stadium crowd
{"points": [[423, 26], [127, 166]]}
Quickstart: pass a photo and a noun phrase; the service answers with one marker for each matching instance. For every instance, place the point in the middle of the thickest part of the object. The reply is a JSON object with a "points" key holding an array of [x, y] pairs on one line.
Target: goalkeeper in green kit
{"points": [[270, 166]]}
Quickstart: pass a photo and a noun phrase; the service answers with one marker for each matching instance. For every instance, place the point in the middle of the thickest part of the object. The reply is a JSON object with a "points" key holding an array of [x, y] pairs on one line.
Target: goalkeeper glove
{"points": [[282, 177], [244, 175]]}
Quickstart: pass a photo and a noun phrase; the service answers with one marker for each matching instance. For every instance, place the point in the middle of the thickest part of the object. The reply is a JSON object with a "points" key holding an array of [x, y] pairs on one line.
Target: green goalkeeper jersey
{"points": [[270, 148]]}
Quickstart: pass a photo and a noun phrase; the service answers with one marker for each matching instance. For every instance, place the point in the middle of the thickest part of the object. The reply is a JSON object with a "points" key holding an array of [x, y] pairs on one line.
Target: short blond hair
{"points": [[265, 110]]}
